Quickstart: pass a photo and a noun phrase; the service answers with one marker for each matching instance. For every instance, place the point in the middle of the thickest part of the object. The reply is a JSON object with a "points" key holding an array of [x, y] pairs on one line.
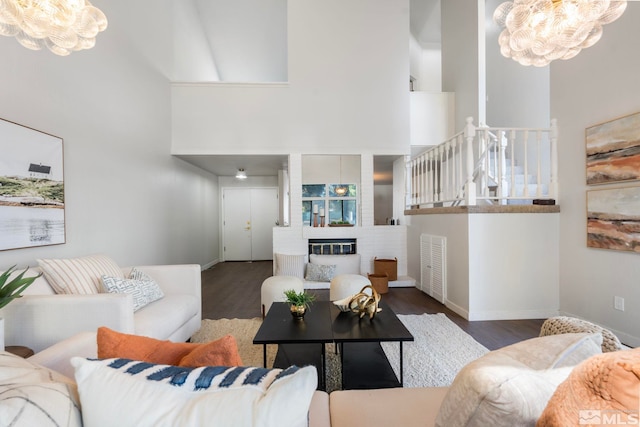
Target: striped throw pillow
{"points": [[123, 392], [290, 265], [79, 275]]}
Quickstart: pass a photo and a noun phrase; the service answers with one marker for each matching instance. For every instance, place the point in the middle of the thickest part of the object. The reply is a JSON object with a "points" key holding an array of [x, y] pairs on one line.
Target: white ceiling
{"points": [[424, 21], [248, 43], [269, 165], [228, 165]]}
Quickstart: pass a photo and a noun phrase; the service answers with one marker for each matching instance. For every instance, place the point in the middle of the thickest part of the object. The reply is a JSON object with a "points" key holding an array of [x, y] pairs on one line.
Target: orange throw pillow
{"points": [[221, 352], [604, 389]]}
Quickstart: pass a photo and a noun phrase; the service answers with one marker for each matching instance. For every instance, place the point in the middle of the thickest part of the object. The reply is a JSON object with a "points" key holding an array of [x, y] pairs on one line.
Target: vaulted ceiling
{"points": [[246, 41]]}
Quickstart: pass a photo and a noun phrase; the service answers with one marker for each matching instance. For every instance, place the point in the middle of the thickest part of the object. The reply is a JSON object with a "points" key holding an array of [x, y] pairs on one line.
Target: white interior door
{"points": [[264, 214], [249, 217], [237, 224]]}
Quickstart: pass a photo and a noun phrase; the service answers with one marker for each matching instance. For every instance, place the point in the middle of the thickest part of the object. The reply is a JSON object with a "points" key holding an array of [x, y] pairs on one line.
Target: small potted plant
{"points": [[10, 290], [299, 302]]}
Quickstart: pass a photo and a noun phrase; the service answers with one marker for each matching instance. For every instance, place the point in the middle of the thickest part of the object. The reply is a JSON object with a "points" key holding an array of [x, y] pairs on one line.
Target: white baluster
{"points": [[502, 166], [512, 138], [470, 186], [460, 168], [423, 193], [447, 183], [525, 136], [539, 166], [454, 170], [553, 186], [407, 183], [414, 194]]}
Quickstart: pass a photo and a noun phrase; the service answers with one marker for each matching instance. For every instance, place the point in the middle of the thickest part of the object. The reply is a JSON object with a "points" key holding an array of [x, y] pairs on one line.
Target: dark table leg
{"points": [[264, 355], [323, 380], [401, 373], [341, 363]]}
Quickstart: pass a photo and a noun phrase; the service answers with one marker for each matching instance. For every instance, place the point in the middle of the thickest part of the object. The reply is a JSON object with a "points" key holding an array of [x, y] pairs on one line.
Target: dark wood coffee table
{"points": [[300, 342], [363, 362]]}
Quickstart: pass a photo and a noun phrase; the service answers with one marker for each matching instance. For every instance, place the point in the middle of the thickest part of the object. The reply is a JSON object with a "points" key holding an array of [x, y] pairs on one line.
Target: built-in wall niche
{"points": [[330, 189], [383, 189]]}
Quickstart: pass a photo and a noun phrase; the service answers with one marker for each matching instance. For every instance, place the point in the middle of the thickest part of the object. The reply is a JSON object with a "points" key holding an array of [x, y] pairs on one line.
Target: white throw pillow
{"points": [[79, 275], [512, 385], [290, 265], [31, 395], [320, 273], [143, 291], [121, 392], [345, 264]]}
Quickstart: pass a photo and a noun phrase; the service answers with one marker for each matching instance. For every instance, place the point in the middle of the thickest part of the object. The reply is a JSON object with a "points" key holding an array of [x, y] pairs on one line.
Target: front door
{"points": [[249, 217]]}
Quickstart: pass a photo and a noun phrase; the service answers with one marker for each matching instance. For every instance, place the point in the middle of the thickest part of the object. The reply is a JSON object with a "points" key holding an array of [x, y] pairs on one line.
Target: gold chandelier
{"points": [[537, 32], [63, 26]]}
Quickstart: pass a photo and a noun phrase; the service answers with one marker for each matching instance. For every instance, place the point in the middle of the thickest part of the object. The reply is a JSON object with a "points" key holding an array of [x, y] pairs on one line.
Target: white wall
{"points": [[432, 117], [193, 56], [516, 96], [491, 273], [598, 85], [382, 203], [425, 66], [347, 90], [460, 58], [513, 265], [456, 229], [126, 196]]}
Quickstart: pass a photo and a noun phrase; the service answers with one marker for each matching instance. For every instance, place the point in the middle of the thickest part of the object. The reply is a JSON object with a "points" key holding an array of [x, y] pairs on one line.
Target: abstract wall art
{"points": [[613, 151], [613, 219]]}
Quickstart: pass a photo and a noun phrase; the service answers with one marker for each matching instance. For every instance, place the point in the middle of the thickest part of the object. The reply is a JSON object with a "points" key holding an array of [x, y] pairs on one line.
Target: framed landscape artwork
{"points": [[31, 188], [613, 219], [613, 151]]}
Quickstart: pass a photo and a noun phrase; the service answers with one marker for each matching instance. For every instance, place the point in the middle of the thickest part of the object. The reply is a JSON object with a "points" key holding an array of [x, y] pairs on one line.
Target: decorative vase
{"points": [[298, 311]]}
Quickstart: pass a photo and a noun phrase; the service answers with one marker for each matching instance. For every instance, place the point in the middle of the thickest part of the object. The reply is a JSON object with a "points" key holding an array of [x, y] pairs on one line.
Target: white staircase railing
{"points": [[488, 165]]}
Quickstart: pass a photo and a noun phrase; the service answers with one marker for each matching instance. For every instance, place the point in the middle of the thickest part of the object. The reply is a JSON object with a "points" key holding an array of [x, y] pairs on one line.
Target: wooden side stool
{"points": [[19, 350]]}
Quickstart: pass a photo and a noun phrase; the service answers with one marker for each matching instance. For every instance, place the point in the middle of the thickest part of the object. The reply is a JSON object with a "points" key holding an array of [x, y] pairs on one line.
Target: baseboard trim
{"points": [[511, 315], [209, 265], [625, 338], [457, 309]]}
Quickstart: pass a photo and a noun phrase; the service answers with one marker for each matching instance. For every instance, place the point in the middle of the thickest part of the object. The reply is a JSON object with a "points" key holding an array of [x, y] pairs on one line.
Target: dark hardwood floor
{"points": [[232, 289]]}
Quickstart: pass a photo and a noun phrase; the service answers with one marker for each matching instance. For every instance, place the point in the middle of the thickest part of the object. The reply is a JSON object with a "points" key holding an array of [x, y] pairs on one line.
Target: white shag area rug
{"points": [[438, 353]]}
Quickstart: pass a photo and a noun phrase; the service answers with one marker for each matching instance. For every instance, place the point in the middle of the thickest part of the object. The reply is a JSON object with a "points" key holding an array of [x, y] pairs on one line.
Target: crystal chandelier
{"points": [[538, 31], [62, 26]]}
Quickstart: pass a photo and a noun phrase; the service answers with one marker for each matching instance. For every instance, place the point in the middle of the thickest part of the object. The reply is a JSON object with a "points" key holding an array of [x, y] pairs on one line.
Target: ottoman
{"points": [[345, 285], [273, 290]]}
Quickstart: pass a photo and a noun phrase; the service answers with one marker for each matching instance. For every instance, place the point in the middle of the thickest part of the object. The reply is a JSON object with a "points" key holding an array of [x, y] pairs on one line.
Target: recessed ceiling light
{"points": [[241, 174]]}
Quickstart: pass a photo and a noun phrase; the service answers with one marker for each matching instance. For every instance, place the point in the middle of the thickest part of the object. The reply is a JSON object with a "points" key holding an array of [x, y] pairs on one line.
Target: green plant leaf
{"points": [[12, 289]]}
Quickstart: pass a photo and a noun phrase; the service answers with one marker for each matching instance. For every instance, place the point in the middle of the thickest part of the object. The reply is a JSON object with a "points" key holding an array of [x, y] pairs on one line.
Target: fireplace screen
{"points": [[332, 246]]}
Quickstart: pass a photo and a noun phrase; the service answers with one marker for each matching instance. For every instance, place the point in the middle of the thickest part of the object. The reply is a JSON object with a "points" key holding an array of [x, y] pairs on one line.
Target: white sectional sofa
{"points": [[42, 318], [506, 387]]}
